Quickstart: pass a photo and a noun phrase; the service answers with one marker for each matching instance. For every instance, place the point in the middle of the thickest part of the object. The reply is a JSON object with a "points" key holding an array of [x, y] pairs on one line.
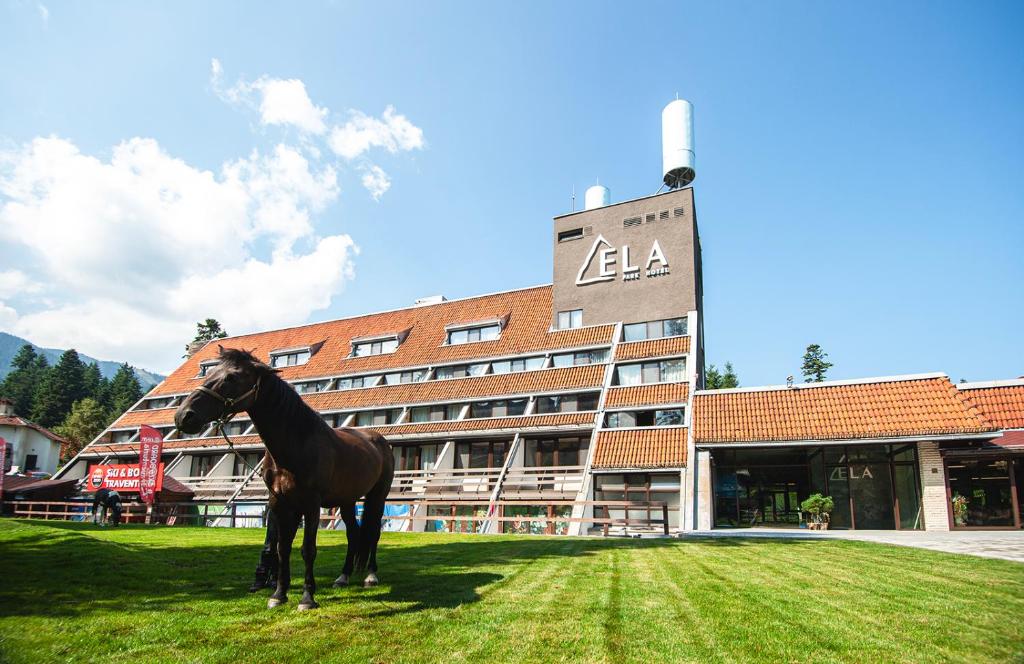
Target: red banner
{"points": [[3, 465], [150, 446], [124, 477]]}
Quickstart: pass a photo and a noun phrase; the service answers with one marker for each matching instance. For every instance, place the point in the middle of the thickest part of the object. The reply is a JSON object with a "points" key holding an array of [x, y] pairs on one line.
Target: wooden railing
{"points": [[542, 482], [551, 515]]}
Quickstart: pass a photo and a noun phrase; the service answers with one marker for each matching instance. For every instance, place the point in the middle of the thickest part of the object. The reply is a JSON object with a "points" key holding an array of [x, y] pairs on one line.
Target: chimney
{"points": [[6, 407]]}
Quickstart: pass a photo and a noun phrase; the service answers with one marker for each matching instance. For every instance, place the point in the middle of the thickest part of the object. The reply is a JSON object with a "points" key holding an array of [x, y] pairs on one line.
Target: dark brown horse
{"points": [[308, 465]]}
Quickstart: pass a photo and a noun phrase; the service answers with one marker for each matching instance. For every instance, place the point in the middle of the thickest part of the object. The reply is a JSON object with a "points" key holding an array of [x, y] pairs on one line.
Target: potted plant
{"points": [[959, 510], [819, 507]]}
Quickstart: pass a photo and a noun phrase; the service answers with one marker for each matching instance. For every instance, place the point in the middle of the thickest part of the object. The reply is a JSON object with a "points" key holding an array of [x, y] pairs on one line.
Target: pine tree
{"points": [[59, 388], [20, 385], [206, 331], [86, 420], [712, 378], [93, 380], [716, 380], [125, 390], [815, 365], [729, 378]]}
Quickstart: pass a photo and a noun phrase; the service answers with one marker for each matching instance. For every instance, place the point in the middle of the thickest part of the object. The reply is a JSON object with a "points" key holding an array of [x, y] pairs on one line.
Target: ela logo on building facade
{"points": [[608, 270]]}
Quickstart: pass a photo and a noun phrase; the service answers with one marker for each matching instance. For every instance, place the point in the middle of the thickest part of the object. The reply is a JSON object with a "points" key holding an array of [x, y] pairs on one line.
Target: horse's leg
{"points": [[311, 522], [348, 515], [287, 524], [373, 512]]}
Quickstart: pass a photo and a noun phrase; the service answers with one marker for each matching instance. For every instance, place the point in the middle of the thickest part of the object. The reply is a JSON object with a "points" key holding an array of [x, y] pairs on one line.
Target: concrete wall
{"points": [[934, 504], [618, 298]]}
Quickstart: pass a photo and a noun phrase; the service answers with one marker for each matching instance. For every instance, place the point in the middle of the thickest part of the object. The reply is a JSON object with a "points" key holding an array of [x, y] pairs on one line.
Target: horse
{"points": [[103, 500], [307, 466]]}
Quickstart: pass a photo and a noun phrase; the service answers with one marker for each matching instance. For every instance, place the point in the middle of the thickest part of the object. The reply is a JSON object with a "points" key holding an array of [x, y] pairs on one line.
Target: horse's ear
{"points": [[220, 349]]}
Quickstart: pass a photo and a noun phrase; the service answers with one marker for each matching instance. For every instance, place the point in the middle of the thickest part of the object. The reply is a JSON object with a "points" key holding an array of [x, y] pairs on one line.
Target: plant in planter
{"points": [[959, 510], [819, 507]]}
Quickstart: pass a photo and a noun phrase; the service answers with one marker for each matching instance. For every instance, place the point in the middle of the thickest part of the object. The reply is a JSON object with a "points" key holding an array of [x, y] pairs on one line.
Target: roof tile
{"points": [[639, 350], [663, 447], [1002, 405], [646, 395]]}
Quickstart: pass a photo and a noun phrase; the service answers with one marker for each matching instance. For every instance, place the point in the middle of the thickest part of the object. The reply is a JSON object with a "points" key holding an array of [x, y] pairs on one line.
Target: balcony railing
{"points": [[527, 482]]}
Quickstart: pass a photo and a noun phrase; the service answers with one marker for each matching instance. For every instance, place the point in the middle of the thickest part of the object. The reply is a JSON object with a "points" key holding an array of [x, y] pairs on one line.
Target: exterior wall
{"points": [[25, 441], [704, 494], [935, 505], [629, 301]]}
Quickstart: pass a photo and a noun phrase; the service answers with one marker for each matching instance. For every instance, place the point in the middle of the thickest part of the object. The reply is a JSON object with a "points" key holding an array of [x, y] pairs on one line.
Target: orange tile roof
{"points": [[387, 396], [639, 350], [170, 445], [528, 330], [646, 395], [1003, 404], [662, 447], [875, 408]]}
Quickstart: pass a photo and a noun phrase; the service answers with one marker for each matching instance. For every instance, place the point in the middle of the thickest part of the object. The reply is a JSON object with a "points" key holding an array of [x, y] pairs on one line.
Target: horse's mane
{"points": [[276, 393]]}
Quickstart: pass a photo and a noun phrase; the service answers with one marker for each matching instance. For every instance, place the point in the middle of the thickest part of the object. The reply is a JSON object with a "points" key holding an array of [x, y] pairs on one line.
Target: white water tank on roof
{"points": [[677, 156], [596, 196]]}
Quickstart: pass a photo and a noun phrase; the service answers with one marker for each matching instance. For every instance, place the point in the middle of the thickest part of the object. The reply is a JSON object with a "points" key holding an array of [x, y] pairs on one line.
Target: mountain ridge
{"points": [[11, 344]]}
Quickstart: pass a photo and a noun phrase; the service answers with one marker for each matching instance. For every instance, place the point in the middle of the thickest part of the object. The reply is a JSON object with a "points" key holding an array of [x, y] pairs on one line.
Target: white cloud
{"points": [[281, 101], [392, 131], [44, 14], [376, 181], [143, 245], [16, 282]]}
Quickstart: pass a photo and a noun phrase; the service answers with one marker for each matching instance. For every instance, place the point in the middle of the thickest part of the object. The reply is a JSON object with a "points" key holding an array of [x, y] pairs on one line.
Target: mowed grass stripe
{"points": [[78, 593]]}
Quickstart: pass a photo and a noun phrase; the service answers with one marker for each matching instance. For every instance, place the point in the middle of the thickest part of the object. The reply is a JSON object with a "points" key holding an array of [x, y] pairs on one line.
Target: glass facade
{"points": [[872, 486], [987, 485]]}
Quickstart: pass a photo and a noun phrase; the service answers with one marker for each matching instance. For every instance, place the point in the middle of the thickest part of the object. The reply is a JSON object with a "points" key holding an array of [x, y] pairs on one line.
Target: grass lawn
{"points": [[75, 592]]}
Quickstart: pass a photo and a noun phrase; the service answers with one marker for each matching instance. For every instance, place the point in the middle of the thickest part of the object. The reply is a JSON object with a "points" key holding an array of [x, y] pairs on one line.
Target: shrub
{"points": [[819, 507]]}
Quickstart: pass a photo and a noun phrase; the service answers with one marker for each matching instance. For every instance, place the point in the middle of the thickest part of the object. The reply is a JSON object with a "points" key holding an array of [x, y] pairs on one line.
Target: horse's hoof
{"points": [[307, 606], [341, 581], [275, 602], [371, 581]]}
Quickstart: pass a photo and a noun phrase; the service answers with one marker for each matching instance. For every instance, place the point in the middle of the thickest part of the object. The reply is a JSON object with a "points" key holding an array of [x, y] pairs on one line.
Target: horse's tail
{"points": [[373, 507]]}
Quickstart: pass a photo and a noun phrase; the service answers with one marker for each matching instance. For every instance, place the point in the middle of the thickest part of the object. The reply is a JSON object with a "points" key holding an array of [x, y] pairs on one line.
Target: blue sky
{"points": [[859, 166]]}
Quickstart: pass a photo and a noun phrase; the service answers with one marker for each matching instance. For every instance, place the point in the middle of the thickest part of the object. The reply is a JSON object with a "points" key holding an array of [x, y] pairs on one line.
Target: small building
{"points": [[31, 448]]}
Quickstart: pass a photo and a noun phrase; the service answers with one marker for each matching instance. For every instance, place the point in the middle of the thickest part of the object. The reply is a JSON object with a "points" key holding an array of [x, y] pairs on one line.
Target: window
{"points": [[579, 358], [462, 370], [645, 418], [471, 334], [289, 359], [665, 371], [404, 377], [567, 403], [31, 462], [358, 381], [204, 368], [570, 319], [376, 418], [312, 386], [655, 329], [235, 428], [521, 364], [335, 420], [481, 454], [574, 234], [247, 463], [202, 465], [121, 436], [374, 347], [154, 404], [555, 452], [502, 408], [435, 413]]}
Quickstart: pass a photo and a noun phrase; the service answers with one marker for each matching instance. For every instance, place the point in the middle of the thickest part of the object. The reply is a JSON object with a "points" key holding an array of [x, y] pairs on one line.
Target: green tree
{"points": [[87, 419], [206, 331], [125, 390], [20, 385], [717, 380], [96, 385], [60, 387], [815, 365]]}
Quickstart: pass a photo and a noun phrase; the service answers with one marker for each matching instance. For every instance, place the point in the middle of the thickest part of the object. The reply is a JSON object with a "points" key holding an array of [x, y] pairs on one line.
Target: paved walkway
{"points": [[1005, 544]]}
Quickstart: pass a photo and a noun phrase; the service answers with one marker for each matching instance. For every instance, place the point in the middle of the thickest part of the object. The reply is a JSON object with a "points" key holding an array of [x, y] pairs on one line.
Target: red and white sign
{"points": [[124, 477], [3, 466], [150, 468]]}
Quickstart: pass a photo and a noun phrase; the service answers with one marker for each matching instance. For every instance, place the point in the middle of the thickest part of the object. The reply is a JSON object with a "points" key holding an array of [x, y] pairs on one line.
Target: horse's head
{"points": [[230, 387]]}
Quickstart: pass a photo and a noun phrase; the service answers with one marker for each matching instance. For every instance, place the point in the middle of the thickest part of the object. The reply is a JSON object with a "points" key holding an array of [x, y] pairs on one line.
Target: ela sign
{"points": [[607, 263]]}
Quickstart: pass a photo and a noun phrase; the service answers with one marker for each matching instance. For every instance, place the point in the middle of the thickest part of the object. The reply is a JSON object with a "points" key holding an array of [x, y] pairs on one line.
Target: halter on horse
{"points": [[307, 466]]}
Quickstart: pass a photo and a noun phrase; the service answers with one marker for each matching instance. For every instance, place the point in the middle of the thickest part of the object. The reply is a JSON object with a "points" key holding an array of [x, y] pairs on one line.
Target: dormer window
{"points": [[381, 344], [204, 367], [489, 330], [380, 347], [290, 357]]}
